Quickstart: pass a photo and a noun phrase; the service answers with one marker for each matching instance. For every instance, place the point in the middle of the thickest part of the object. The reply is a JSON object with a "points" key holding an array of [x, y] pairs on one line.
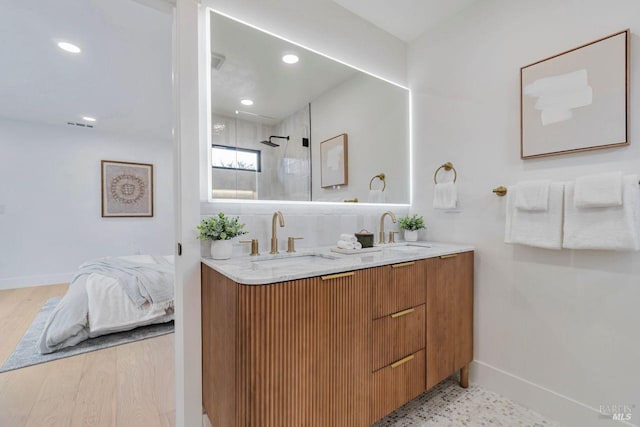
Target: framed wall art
{"points": [[127, 189], [577, 100], [334, 162]]}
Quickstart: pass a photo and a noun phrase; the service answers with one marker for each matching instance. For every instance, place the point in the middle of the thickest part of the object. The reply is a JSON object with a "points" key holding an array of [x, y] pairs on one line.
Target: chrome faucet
{"points": [[393, 218], [274, 233]]}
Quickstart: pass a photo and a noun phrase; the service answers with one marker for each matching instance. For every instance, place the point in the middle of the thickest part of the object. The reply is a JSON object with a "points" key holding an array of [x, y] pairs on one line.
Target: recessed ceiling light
{"points": [[246, 102], [88, 119], [290, 58], [69, 47]]}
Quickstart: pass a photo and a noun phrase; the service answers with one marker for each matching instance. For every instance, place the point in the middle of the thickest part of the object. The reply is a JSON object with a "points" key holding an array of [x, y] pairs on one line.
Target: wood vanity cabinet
{"points": [[398, 369], [338, 350], [402, 287], [288, 354], [449, 317]]}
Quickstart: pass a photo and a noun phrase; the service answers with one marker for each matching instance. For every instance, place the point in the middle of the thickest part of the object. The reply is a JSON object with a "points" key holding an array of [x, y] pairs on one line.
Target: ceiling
{"points": [[122, 77], [405, 19], [253, 69]]}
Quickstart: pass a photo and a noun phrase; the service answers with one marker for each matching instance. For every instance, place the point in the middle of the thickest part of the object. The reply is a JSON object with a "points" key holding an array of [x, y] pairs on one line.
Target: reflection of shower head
{"points": [[269, 143], [273, 144]]}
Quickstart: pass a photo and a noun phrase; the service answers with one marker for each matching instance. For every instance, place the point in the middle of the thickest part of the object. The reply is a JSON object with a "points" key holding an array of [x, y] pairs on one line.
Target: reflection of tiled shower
{"points": [[285, 174], [294, 172]]}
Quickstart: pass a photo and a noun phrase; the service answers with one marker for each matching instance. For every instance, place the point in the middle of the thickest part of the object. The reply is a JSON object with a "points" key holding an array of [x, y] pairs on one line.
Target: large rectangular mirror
{"points": [[274, 104]]}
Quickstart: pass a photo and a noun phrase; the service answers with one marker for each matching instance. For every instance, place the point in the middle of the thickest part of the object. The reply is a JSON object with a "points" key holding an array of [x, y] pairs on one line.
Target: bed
{"points": [[110, 295]]}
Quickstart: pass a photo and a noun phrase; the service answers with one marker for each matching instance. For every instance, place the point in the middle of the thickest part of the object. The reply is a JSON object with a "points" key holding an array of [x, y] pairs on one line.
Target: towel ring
{"points": [[381, 177], [447, 166]]}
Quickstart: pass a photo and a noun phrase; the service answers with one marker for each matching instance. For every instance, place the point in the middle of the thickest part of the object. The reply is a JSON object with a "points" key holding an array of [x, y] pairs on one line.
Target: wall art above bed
{"points": [[576, 100], [127, 189]]}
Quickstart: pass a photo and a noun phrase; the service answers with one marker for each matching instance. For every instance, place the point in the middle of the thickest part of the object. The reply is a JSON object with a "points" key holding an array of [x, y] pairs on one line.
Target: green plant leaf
{"points": [[220, 227], [412, 223]]}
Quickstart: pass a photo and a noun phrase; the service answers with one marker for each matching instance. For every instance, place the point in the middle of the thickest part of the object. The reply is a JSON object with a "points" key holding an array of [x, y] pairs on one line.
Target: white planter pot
{"points": [[221, 249], [411, 235]]}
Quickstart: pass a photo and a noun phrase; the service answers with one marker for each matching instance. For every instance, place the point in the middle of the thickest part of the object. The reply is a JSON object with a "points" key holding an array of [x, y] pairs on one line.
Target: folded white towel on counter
{"points": [[533, 195], [348, 237], [608, 228], [445, 196], [342, 244], [598, 191], [542, 229]]}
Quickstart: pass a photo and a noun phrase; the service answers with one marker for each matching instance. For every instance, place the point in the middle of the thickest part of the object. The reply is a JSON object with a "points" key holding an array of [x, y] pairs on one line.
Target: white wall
{"points": [[50, 195], [556, 330], [375, 116], [320, 225]]}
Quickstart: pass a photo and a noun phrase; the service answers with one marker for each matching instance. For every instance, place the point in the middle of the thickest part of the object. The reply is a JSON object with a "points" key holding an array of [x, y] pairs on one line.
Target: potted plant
{"points": [[220, 230], [411, 225]]}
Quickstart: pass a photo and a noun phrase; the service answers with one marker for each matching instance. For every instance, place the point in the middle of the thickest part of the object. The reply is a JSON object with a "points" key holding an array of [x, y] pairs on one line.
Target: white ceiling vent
{"points": [[217, 59], [82, 125]]}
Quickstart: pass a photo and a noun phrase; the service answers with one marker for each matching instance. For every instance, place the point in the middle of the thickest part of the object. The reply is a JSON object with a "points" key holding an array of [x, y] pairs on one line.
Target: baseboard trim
{"points": [[28, 281], [205, 420], [547, 402]]}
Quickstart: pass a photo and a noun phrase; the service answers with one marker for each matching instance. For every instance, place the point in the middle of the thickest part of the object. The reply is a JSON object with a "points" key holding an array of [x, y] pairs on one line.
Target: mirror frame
{"points": [[209, 115]]}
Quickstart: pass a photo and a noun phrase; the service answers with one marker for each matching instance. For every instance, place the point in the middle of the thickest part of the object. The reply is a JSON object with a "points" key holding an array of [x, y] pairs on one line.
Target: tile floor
{"points": [[449, 405]]}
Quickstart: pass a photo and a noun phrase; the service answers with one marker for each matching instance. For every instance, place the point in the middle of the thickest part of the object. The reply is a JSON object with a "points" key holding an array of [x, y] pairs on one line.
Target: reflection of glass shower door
{"points": [[294, 174], [294, 171], [247, 184], [284, 171]]}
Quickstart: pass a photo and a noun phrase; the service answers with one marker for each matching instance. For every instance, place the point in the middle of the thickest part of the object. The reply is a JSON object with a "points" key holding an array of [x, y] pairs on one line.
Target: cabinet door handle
{"points": [[403, 313], [337, 276], [402, 361], [404, 264], [448, 256]]}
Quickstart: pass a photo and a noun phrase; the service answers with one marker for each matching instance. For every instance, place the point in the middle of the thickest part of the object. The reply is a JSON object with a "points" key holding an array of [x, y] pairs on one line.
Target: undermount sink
{"points": [[408, 248], [292, 261]]}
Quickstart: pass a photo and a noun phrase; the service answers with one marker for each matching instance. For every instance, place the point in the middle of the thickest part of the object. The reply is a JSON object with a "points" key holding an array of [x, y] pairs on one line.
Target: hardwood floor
{"points": [[127, 385]]}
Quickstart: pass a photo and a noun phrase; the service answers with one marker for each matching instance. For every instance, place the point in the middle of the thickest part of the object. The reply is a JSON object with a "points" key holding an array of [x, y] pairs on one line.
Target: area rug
{"points": [[25, 353]]}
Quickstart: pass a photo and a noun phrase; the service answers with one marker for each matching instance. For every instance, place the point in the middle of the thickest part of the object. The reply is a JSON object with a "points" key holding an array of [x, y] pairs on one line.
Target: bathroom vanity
{"points": [[320, 340]]}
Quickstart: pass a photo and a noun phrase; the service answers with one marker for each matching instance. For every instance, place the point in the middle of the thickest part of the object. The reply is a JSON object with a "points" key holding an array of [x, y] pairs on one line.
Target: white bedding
{"points": [[97, 305]]}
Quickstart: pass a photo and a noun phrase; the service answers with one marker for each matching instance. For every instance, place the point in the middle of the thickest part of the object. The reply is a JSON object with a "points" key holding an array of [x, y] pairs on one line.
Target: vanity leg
{"points": [[464, 376]]}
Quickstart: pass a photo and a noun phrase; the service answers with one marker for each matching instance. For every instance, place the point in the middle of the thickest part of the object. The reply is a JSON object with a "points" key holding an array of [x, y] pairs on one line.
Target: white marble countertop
{"points": [[265, 269]]}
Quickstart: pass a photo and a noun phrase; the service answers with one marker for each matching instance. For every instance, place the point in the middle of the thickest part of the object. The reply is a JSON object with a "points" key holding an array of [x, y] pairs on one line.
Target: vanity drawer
{"points": [[396, 384], [403, 286], [398, 335]]}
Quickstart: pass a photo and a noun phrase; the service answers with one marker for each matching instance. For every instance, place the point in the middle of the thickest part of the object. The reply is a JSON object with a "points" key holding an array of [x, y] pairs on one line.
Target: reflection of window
{"points": [[224, 157]]}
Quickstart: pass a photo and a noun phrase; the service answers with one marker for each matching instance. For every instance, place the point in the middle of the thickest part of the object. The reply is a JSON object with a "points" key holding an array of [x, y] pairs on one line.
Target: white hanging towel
{"points": [[609, 228], [533, 195], [542, 229], [376, 196], [598, 191], [445, 196]]}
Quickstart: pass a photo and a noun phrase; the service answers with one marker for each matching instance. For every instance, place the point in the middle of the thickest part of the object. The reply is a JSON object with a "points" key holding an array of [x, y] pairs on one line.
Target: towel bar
{"points": [[502, 190], [447, 166]]}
